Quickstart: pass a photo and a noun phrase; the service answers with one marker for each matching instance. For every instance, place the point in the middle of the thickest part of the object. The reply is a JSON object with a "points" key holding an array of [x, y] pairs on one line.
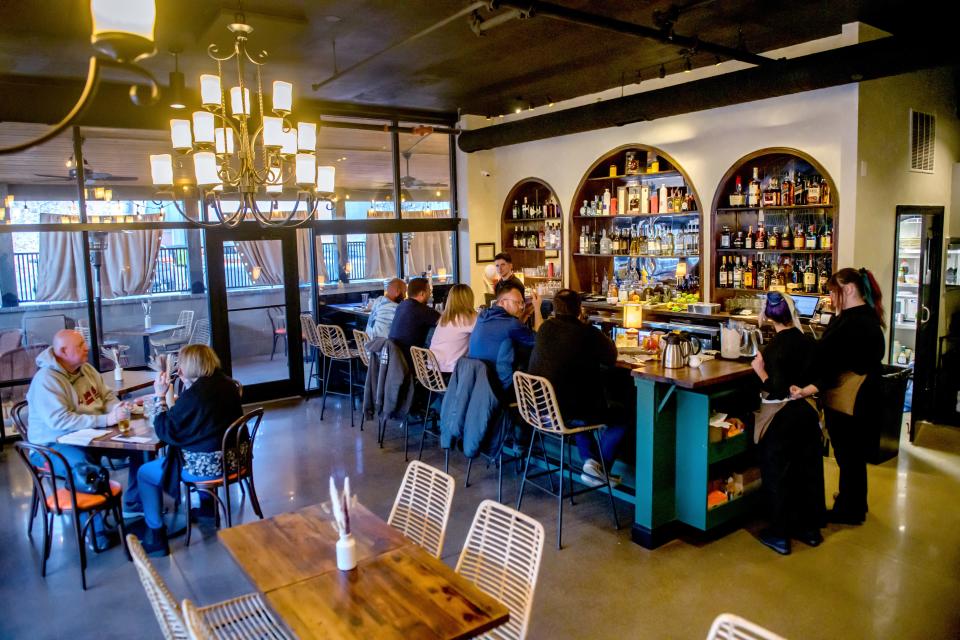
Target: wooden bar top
{"points": [[709, 373]]}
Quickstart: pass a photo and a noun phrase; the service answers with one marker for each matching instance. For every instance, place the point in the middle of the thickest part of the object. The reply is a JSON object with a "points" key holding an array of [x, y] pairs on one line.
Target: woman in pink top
{"points": [[451, 338]]}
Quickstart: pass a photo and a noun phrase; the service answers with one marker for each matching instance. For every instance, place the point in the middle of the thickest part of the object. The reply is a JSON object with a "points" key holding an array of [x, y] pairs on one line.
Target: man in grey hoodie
{"points": [[67, 394]]}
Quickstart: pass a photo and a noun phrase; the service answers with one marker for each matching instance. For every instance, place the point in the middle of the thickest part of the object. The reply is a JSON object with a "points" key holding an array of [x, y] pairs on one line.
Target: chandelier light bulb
{"points": [[326, 176], [289, 144], [180, 134], [240, 102], [210, 92], [306, 137], [203, 127], [223, 140], [272, 132], [123, 29], [205, 169], [306, 169], [282, 97]]}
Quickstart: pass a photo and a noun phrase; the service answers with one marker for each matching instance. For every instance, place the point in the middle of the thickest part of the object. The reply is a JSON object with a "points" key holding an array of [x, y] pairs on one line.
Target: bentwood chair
{"points": [[312, 336], [57, 495], [728, 626], [177, 337], [19, 414], [422, 507], [335, 348], [428, 373], [236, 450], [243, 618], [278, 325], [538, 407], [501, 556], [236, 616]]}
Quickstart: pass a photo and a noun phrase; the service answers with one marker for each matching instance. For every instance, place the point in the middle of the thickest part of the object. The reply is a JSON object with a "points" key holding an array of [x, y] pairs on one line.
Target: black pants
{"points": [[848, 435], [791, 465]]}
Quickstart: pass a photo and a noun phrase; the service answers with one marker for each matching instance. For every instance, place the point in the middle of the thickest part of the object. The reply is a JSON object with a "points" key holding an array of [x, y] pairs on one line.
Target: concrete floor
{"points": [[895, 577]]}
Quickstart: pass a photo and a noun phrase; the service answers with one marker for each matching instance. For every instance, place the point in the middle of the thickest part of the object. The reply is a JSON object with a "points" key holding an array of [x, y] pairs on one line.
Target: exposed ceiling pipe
{"points": [[470, 8], [534, 8], [479, 26], [855, 63]]}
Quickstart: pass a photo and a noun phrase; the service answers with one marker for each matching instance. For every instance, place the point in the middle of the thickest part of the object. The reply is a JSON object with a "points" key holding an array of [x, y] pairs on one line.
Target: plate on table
{"points": [[136, 410]]}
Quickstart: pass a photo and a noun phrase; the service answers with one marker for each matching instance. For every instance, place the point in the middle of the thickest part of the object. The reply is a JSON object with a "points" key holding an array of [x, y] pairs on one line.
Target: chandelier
{"points": [[242, 153]]}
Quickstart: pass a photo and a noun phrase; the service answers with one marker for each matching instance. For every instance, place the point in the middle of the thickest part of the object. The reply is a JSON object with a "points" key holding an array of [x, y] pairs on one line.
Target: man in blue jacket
{"points": [[503, 326]]}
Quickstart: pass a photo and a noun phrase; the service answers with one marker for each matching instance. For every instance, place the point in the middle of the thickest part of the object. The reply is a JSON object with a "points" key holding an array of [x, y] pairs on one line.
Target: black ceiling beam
{"points": [[855, 63], [535, 8], [45, 100]]}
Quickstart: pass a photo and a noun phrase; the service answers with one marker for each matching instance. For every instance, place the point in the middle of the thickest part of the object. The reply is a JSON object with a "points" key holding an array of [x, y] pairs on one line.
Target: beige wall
{"points": [[884, 179]]}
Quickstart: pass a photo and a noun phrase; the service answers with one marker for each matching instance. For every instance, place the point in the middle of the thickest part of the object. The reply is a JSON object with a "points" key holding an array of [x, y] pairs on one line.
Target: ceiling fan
{"points": [[409, 182], [91, 177]]}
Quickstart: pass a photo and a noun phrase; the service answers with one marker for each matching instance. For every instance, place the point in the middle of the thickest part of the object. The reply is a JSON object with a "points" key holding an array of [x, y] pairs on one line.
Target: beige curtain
{"points": [[381, 251], [268, 256], [129, 263], [60, 271], [428, 249]]}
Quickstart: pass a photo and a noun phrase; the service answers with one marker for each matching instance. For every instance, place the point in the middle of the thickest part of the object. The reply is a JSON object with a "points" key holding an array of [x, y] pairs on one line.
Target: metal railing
{"points": [[234, 271], [356, 254], [27, 266], [172, 272]]}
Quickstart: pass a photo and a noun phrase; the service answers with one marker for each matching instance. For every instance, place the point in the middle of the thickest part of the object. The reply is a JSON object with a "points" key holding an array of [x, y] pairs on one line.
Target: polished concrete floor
{"points": [[897, 576]]}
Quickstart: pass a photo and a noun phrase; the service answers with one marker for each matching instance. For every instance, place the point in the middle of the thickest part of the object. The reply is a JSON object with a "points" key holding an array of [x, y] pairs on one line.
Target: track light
{"points": [[177, 85]]}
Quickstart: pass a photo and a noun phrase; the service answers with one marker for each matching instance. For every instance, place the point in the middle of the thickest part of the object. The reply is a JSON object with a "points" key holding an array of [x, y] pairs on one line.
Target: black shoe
{"points": [[105, 540], [203, 516], [779, 544], [811, 538], [845, 517], [155, 543]]}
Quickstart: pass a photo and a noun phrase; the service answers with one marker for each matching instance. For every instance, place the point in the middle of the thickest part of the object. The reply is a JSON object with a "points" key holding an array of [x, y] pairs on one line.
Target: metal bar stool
{"points": [[335, 348], [538, 407], [428, 373]]}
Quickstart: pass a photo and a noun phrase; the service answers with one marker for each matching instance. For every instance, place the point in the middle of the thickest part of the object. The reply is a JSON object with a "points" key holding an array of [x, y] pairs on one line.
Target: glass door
{"points": [[255, 309], [915, 307]]}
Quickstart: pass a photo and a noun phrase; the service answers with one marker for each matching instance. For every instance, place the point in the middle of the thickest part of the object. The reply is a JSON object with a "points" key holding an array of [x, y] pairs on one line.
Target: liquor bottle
{"points": [[748, 277], [813, 191], [541, 237], [825, 196], [645, 199], [739, 242], [670, 248], [584, 242], [753, 190], [800, 191], [786, 190], [737, 198], [662, 200], [725, 238], [811, 237], [749, 240], [654, 201], [583, 209], [658, 242], [722, 274], [782, 276], [604, 244], [516, 210], [786, 240], [525, 209], [810, 284], [771, 195], [606, 202], [737, 274], [651, 241], [826, 240], [761, 240], [799, 239]]}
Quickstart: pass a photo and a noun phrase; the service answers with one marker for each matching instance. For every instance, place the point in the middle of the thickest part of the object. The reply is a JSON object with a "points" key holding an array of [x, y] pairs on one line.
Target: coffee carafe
{"points": [[739, 340]]}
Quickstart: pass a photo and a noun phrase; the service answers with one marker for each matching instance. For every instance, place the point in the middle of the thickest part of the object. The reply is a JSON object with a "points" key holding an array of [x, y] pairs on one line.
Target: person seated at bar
{"points": [[414, 319], [501, 332], [573, 356], [385, 308], [451, 339], [194, 426], [504, 265], [788, 432], [68, 394]]}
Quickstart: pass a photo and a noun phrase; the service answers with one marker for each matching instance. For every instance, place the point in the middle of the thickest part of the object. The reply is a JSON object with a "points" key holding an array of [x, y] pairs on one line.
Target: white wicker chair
{"points": [[501, 555], [247, 618], [201, 332], [243, 617], [428, 373], [335, 348], [728, 626], [422, 507], [177, 337], [309, 328], [537, 403]]}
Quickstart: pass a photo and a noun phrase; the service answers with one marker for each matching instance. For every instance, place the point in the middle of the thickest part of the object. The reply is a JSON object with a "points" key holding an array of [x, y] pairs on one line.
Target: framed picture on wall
{"points": [[485, 251]]}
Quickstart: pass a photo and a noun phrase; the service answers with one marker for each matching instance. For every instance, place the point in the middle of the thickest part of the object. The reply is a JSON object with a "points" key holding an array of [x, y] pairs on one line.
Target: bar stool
{"points": [[361, 338], [334, 346], [430, 378], [538, 407], [312, 336]]}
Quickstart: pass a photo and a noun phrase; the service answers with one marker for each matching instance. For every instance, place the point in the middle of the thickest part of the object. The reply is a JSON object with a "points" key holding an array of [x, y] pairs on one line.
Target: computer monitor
{"points": [[805, 305]]}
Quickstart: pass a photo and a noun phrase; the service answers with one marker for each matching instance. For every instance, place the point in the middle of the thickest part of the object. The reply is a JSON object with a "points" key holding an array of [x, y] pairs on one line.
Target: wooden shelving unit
{"points": [[774, 162], [587, 268], [538, 194]]}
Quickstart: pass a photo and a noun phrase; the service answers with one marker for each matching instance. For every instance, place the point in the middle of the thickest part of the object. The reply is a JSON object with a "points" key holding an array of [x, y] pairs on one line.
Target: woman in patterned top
{"points": [[195, 425]]}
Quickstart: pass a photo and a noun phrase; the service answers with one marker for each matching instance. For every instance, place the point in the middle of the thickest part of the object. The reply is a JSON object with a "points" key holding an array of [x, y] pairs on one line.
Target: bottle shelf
{"points": [[809, 293], [781, 251], [634, 255], [529, 220], [637, 176], [674, 214], [792, 207]]}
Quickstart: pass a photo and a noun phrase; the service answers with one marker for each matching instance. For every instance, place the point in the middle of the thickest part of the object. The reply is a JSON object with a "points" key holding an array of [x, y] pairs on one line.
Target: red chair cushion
{"points": [[280, 331], [85, 501]]}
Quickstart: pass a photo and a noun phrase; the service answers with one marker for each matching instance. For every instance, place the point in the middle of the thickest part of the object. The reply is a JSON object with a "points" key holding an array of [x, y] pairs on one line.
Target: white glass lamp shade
{"points": [[272, 132], [223, 138], [205, 168], [123, 29], [289, 143], [240, 102], [306, 169], [275, 180], [210, 92], [203, 127], [180, 134], [325, 179], [306, 137], [632, 316], [282, 96]]}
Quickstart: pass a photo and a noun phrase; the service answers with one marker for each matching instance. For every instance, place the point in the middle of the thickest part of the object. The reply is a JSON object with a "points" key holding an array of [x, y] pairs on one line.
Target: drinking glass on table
{"points": [[364, 297], [123, 423]]}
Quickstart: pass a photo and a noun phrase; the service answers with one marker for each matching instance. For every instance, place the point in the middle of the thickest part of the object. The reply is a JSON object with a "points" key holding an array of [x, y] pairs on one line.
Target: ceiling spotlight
{"points": [[663, 71], [501, 115], [177, 86], [549, 101], [489, 118]]}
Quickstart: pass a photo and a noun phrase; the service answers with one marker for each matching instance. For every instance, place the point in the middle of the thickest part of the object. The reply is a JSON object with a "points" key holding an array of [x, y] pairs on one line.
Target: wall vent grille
{"points": [[923, 128]]}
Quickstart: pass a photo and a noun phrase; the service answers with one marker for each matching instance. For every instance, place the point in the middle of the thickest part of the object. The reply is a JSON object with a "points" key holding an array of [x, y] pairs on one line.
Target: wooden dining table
{"points": [[397, 590], [139, 428]]}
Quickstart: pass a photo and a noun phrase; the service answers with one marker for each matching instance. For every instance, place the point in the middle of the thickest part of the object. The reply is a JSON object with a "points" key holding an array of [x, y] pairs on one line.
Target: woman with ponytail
{"points": [[849, 366]]}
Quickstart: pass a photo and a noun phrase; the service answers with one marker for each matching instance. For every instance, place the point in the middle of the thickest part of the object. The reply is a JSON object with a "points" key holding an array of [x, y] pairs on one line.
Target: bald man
{"points": [[385, 308], [67, 394]]}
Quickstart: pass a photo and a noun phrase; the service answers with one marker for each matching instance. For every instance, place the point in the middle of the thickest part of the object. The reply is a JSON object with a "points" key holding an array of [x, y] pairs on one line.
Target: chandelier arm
{"points": [[213, 51]]}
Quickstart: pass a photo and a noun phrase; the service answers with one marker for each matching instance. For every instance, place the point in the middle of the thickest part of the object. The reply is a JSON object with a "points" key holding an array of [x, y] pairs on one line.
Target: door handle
{"points": [[925, 314]]}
